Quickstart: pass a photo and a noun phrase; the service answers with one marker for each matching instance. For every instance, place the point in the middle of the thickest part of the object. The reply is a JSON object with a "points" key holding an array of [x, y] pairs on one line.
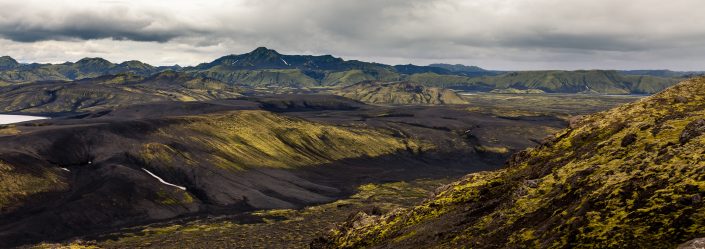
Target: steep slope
{"points": [[631, 177], [404, 93], [109, 92]]}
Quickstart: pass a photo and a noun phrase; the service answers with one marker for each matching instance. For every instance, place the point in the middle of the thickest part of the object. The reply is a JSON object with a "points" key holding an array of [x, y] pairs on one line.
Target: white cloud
{"points": [[503, 34]]}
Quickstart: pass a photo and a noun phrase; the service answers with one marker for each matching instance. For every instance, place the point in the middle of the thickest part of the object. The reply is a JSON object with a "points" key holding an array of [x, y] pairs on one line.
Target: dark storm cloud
{"points": [[27, 23], [87, 32]]}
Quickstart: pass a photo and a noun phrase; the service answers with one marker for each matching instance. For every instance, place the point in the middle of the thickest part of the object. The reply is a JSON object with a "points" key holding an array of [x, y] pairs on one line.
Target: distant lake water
{"points": [[9, 119]]}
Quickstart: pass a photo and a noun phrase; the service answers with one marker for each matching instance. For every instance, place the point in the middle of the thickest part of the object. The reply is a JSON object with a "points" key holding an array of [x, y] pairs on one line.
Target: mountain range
{"points": [[264, 67]]}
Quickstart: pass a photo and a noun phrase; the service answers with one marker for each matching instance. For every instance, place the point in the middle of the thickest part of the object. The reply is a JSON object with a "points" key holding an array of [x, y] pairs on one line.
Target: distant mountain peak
{"points": [[7, 62], [264, 50], [93, 65], [91, 59], [7, 58], [94, 61], [263, 53], [134, 64]]}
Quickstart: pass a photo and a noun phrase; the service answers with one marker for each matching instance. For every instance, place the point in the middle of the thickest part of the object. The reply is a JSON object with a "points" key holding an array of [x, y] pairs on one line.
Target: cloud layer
{"points": [[501, 34]]}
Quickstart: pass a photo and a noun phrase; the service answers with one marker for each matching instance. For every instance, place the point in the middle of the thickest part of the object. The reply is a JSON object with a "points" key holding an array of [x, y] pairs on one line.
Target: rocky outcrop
{"points": [[692, 130]]}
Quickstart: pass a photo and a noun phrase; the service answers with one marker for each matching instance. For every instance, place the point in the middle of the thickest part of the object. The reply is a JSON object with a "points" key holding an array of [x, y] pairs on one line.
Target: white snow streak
{"points": [[284, 61], [9, 119], [162, 181]]}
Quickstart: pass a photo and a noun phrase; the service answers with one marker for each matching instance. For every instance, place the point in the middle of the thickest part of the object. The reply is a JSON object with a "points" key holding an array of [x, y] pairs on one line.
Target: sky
{"points": [[493, 34]]}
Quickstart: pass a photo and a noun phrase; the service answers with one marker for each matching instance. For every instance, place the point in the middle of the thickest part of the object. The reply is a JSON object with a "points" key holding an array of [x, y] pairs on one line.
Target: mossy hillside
{"points": [[446, 81], [9, 130], [264, 77], [404, 93], [620, 178], [109, 92], [245, 139], [16, 185], [564, 106], [580, 81], [82, 69], [346, 78]]}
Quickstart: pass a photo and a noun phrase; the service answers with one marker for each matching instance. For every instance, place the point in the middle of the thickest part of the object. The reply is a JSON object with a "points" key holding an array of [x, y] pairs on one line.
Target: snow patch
{"points": [[162, 181], [65, 169], [284, 61], [9, 119]]}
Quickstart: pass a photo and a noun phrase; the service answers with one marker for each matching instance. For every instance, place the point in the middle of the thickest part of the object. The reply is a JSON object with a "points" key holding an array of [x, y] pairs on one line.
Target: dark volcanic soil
{"points": [[107, 186]]}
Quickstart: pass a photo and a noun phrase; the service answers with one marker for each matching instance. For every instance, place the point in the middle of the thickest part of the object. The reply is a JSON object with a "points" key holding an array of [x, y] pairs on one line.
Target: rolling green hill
{"points": [[13, 72], [581, 81], [404, 93], [110, 91], [631, 177]]}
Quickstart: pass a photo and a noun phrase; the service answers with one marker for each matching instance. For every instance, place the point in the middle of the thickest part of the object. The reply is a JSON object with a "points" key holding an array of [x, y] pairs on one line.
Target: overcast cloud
{"points": [[495, 34]]}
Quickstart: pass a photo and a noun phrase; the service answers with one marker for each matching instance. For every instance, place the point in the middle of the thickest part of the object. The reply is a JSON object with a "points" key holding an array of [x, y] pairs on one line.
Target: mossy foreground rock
{"points": [[585, 188], [404, 93]]}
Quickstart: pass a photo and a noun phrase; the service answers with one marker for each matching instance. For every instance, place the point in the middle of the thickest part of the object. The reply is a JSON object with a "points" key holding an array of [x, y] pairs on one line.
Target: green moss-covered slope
{"points": [[631, 177], [404, 93], [110, 91], [250, 139], [581, 81]]}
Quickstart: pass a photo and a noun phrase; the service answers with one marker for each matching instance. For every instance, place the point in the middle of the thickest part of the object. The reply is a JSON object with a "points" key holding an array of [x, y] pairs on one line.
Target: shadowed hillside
{"points": [[630, 177]]}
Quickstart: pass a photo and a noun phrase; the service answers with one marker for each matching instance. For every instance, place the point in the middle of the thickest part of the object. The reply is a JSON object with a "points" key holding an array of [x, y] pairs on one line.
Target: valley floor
{"points": [[501, 124], [284, 228]]}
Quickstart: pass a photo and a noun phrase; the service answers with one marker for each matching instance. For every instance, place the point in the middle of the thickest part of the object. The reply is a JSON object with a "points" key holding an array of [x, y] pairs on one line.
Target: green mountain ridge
{"points": [[265, 67], [630, 177], [111, 91], [405, 93], [581, 81]]}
